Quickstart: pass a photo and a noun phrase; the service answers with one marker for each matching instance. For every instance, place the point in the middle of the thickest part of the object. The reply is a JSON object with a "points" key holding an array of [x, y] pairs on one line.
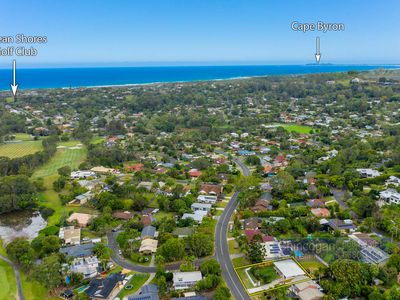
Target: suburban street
{"points": [[221, 243], [123, 262], [221, 247], [17, 277]]}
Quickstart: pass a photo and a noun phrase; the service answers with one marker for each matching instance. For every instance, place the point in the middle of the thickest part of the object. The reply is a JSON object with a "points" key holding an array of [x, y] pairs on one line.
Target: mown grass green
{"points": [[19, 149], [8, 284]]}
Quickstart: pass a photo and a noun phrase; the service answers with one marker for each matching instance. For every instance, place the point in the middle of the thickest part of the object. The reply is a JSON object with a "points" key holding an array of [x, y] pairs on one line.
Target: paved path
{"points": [[221, 243], [17, 277]]}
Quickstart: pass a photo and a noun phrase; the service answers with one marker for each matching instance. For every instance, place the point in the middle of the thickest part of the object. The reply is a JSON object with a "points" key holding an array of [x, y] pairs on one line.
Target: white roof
{"points": [[201, 205], [180, 277], [289, 268]]}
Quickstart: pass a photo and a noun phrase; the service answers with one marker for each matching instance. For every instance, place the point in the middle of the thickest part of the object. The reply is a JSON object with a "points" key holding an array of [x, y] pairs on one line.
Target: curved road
{"points": [[123, 262], [221, 243], [221, 247], [17, 277]]}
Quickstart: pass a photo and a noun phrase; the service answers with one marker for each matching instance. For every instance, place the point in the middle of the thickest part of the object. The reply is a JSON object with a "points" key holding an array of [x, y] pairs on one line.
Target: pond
{"points": [[25, 223]]}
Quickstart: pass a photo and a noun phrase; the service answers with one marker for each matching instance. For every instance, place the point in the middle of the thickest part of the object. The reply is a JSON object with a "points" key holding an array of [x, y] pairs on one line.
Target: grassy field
{"points": [[63, 157], [19, 149], [34, 290], [233, 247], [240, 261], [8, 284], [296, 128], [245, 278]]}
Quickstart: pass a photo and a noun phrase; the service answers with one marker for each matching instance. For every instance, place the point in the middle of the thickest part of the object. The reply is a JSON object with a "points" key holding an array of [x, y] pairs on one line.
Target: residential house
{"points": [[83, 250], [393, 180], [135, 168], [288, 269], [211, 189], [207, 199], [70, 235], [147, 292], [272, 249], [366, 239], [186, 280], [147, 220], [316, 203], [122, 215], [201, 206], [197, 216], [148, 232], [80, 219], [368, 173], [104, 171], [194, 173], [252, 223], [89, 267], [82, 174], [260, 205], [320, 212], [148, 246], [307, 290], [341, 225], [81, 199], [370, 254], [102, 288], [389, 196]]}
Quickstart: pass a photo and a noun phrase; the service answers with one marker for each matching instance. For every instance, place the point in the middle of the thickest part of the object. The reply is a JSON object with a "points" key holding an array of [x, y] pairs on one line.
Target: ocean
{"points": [[110, 76]]}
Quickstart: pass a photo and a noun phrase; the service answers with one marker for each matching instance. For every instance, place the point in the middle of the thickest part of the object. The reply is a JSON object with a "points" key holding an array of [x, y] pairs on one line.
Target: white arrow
{"points": [[317, 52], [14, 86]]}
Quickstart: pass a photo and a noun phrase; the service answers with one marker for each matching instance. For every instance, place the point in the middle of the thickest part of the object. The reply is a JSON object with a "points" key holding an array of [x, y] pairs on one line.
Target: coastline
{"points": [[322, 70]]}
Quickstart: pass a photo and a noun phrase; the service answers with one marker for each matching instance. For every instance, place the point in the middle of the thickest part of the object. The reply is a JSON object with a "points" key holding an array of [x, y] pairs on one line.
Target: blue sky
{"points": [[98, 32]]}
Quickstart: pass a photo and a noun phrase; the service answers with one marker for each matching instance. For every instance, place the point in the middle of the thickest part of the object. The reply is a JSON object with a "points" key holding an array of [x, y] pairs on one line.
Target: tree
{"points": [[222, 293], [21, 252], [283, 183], [352, 275], [253, 160], [17, 192], [45, 245], [187, 266], [200, 244], [347, 250], [172, 250], [103, 253], [48, 272], [162, 285], [209, 267], [256, 252], [64, 171]]}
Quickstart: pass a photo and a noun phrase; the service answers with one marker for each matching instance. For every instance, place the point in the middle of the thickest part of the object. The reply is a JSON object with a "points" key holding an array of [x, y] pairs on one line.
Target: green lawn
{"points": [[240, 262], [33, 290], [8, 284], [265, 274], [233, 247], [136, 282], [245, 278], [296, 128], [311, 265], [63, 157], [19, 149]]}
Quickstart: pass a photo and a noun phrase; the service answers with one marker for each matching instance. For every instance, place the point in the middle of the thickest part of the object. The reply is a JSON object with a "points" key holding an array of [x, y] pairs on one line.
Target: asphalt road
{"points": [[221, 244], [123, 262], [221, 248], [17, 277]]}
